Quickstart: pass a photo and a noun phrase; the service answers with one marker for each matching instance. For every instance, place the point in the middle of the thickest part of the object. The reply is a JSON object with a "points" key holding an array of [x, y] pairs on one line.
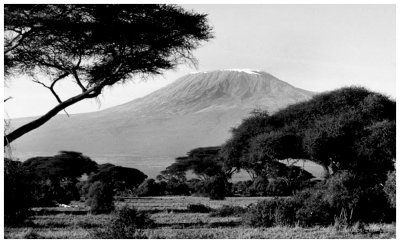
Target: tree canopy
{"points": [[118, 177], [204, 162], [350, 129], [96, 46], [66, 164]]}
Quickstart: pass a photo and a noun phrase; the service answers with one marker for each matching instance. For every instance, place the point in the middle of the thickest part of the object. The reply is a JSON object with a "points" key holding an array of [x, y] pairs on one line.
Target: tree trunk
{"points": [[90, 93]]}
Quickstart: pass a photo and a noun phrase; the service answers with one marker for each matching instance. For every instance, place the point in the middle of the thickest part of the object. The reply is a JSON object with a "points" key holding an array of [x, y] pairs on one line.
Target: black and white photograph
{"points": [[215, 120]]}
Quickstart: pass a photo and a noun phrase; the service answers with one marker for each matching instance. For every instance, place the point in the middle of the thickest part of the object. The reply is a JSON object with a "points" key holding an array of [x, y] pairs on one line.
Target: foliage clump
{"points": [[119, 177], [217, 187], [274, 212], [126, 223], [199, 208], [17, 192], [345, 198], [390, 188], [100, 198], [149, 188], [347, 129], [54, 178]]}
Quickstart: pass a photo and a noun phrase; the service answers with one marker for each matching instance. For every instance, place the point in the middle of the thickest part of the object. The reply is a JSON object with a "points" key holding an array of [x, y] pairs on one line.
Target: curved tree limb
{"points": [[90, 93]]}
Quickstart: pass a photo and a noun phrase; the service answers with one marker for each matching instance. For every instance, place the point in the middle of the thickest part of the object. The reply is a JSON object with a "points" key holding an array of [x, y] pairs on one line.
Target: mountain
{"points": [[196, 110]]}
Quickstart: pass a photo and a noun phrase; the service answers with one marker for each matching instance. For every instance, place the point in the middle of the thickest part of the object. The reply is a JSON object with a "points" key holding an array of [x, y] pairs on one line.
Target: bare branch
{"points": [[78, 81], [51, 88], [44, 85]]}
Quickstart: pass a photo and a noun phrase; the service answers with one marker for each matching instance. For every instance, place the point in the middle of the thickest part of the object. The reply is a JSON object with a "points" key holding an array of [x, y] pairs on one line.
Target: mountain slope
{"points": [[196, 110]]}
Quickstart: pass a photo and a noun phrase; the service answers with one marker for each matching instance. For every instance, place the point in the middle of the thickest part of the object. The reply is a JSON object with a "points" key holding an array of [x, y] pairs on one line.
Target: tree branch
{"points": [[43, 119], [78, 81], [20, 35], [51, 88], [44, 85]]}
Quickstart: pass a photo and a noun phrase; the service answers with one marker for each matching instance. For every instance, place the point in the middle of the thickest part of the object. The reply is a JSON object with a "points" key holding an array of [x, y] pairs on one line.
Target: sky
{"points": [[313, 47]]}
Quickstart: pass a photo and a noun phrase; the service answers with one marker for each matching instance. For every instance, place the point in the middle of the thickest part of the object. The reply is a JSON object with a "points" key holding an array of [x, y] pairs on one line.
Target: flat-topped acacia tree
{"points": [[349, 129], [96, 46]]}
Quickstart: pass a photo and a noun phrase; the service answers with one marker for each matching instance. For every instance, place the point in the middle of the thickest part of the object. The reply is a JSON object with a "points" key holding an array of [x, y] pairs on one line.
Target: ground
{"points": [[173, 220]]}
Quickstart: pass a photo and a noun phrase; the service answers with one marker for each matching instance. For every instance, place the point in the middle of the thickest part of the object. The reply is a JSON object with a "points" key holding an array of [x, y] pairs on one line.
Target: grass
{"points": [[174, 221]]}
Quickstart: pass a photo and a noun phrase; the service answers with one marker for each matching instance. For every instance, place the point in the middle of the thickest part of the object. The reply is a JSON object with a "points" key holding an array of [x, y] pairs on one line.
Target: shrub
{"points": [[258, 187], [241, 187], [217, 187], [267, 213], [313, 210], [175, 187], [343, 195], [100, 198], [126, 223], [30, 234], [198, 208], [278, 187], [44, 192], [390, 188], [227, 210], [149, 188], [198, 187], [17, 193], [357, 198]]}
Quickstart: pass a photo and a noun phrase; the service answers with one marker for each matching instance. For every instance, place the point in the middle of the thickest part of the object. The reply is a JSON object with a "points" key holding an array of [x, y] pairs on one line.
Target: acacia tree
{"points": [[96, 46], [347, 129], [204, 162]]}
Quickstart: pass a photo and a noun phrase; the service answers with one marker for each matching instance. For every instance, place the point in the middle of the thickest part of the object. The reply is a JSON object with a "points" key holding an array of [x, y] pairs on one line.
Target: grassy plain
{"points": [[174, 221]]}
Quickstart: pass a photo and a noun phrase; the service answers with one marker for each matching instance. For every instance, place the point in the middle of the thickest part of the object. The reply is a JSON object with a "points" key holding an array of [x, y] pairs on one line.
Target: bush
{"points": [[149, 188], [390, 188], [278, 187], [100, 198], [126, 223], [314, 209], [175, 187], [217, 187], [241, 187], [226, 211], [44, 192], [357, 198], [31, 234], [344, 199], [198, 208], [198, 187], [307, 208], [258, 187], [17, 193], [267, 213]]}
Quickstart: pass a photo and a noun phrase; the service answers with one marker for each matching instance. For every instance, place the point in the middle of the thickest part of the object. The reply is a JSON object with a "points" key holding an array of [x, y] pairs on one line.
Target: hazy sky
{"points": [[313, 47]]}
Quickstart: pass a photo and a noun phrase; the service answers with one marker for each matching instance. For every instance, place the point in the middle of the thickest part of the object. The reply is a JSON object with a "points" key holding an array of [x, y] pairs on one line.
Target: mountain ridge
{"points": [[212, 85]]}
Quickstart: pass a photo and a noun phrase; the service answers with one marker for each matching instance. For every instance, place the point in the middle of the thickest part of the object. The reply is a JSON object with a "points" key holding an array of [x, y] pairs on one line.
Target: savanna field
{"points": [[222, 153], [174, 219]]}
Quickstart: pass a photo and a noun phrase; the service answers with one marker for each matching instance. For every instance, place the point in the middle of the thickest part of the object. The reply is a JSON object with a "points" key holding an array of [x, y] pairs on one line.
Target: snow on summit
{"points": [[245, 70]]}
